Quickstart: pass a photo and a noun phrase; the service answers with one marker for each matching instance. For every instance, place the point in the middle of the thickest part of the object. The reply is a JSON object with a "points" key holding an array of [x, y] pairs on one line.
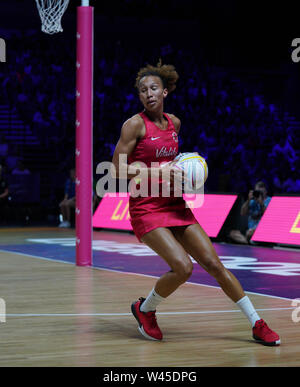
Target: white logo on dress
{"points": [[163, 152], [154, 138]]}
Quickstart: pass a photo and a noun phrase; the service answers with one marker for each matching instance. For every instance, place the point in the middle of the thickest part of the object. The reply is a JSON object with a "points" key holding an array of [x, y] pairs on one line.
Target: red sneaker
{"points": [[265, 335], [147, 321]]}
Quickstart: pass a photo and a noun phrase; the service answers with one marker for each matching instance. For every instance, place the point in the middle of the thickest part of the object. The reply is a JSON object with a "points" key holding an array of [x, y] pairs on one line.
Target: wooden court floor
{"points": [[58, 315]]}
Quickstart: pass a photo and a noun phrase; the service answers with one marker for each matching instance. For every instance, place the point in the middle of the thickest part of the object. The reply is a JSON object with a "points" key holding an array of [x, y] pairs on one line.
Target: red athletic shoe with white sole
{"points": [[147, 321], [265, 335]]}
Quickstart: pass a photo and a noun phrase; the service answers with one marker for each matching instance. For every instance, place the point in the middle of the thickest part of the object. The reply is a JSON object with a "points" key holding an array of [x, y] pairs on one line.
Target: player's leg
{"points": [[70, 204], [163, 242], [197, 243], [63, 210]]}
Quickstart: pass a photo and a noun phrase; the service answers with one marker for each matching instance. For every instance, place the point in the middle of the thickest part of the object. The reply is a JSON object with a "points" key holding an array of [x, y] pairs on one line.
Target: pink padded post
{"points": [[84, 135]]}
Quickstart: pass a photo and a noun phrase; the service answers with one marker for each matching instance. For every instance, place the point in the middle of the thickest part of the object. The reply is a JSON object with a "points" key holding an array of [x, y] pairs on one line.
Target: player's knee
{"points": [[185, 271]]}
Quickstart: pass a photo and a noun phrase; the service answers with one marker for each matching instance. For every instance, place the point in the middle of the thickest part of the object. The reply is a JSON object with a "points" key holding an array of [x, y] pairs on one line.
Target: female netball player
{"points": [[165, 224]]}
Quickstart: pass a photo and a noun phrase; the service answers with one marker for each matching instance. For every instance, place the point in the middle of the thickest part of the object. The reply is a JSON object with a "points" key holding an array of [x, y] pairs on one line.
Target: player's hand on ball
{"points": [[173, 175]]}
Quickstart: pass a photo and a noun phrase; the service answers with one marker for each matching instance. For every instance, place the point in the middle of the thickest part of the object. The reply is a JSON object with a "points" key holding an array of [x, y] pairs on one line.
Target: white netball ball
{"points": [[195, 169]]}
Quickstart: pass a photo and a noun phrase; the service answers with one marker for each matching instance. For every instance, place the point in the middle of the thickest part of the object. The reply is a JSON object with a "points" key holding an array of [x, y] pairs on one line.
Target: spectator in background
{"points": [[20, 169], [12, 157], [284, 148], [255, 207], [279, 174], [292, 184], [69, 200]]}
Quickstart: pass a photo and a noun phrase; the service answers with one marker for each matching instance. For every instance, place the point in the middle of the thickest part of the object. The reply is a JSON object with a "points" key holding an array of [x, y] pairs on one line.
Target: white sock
{"points": [[248, 309], [151, 302]]}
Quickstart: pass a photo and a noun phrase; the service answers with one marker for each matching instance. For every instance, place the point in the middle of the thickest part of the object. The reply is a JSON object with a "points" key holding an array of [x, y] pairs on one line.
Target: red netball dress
{"points": [[150, 212]]}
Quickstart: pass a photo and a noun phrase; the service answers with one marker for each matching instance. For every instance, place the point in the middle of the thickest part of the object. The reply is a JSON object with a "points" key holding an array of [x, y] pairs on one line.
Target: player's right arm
{"points": [[131, 131], [245, 206]]}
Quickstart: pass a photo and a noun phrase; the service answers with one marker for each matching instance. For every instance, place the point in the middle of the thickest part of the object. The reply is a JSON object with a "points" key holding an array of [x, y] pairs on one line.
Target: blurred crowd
{"points": [[244, 136]]}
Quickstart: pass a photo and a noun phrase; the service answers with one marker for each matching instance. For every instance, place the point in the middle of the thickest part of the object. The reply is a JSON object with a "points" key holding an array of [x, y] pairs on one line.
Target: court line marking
{"points": [[130, 314], [37, 256], [138, 274]]}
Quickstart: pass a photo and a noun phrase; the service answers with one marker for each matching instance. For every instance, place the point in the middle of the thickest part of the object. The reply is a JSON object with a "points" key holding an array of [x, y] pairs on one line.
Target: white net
{"points": [[51, 12]]}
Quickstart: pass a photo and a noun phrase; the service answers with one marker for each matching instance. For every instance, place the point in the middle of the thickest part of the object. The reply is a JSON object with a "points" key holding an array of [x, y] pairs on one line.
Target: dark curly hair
{"points": [[166, 73]]}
